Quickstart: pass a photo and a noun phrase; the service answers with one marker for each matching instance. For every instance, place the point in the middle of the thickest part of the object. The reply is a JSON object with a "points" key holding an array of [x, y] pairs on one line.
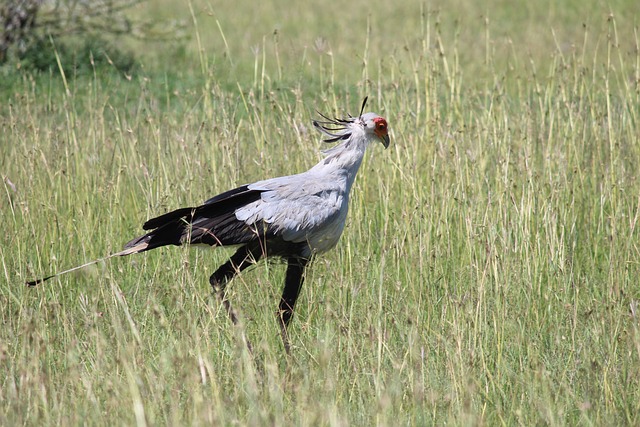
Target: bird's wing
{"points": [[294, 207], [222, 202], [213, 223]]}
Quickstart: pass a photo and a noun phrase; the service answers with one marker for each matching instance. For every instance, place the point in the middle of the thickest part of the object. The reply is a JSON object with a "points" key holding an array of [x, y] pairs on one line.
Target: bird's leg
{"points": [[243, 258], [293, 283]]}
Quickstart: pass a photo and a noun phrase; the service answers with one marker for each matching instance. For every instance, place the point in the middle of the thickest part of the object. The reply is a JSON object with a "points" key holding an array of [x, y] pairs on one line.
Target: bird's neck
{"points": [[343, 160]]}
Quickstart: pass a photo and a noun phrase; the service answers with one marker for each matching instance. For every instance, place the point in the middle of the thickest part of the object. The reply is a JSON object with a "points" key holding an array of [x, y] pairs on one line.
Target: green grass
{"points": [[488, 273]]}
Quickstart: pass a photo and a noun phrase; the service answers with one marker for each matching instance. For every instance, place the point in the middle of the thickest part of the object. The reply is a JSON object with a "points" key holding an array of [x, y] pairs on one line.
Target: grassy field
{"points": [[488, 274]]}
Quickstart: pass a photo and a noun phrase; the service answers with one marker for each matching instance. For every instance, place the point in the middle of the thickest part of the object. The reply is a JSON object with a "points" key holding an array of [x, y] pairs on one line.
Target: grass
{"points": [[488, 272]]}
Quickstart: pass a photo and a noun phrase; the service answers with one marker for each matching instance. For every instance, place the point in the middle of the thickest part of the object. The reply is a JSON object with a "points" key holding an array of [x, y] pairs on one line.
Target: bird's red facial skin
{"points": [[381, 126]]}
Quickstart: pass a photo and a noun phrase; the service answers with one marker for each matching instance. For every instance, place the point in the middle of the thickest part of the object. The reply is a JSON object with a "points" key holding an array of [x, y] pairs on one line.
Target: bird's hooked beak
{"points": [[385, 140]]}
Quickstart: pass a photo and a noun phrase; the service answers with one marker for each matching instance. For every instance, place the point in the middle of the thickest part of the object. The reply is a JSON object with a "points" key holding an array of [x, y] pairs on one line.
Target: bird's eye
{"points": [[381, 124]]}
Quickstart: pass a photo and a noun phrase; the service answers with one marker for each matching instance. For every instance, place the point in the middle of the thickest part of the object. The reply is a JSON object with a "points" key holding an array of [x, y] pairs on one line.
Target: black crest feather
{"points": [[337, 129]]}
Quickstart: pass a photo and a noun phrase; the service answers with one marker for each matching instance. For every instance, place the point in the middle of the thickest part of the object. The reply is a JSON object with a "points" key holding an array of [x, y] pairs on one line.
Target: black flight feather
{"points": [[213, 223]]}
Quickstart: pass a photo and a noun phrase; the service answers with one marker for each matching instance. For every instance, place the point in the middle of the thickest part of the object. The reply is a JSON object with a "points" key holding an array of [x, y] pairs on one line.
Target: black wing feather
{"points": [[235, 197], [213, 223]]}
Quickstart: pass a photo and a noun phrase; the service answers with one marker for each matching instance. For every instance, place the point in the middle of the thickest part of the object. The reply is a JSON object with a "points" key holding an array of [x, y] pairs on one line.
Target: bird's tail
{"points": [[127, 251]]}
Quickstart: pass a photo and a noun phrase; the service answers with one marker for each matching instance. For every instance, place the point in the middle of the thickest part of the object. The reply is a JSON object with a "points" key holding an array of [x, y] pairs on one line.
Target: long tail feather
{"points": [[127, 251], [212, 223]]}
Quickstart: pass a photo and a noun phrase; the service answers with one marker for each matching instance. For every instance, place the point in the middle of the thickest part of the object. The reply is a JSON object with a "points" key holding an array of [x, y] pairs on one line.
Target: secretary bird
{"points": [[292, 217]]}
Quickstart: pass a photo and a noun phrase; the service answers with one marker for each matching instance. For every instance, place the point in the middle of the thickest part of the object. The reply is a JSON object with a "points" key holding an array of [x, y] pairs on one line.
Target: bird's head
{"points": [[376, 125], [371, 124]]}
